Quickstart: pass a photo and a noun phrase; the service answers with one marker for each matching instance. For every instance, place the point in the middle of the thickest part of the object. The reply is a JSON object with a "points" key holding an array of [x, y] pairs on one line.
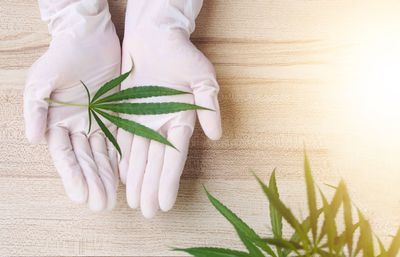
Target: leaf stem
{"points": [[65, 104]]}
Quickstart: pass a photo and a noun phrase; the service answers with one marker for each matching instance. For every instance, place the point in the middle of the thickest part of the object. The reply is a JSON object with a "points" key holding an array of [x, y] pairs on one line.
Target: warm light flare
{"points": [[367, 119], [373, 88]]}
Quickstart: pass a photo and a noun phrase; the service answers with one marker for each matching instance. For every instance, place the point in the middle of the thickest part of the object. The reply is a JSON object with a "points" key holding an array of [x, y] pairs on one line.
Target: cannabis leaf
{"points": [[320, 234], [103, 106]]}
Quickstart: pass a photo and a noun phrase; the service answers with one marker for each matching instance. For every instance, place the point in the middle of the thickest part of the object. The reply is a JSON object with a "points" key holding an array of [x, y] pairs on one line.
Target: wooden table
{"points": [[286, 69]]}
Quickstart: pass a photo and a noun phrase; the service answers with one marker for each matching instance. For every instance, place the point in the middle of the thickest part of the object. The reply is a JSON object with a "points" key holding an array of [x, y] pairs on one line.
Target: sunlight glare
{"points": [[375, 90], [368, 116]]}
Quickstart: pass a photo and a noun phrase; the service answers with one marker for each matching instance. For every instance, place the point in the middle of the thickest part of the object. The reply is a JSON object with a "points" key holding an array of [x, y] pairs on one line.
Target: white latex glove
{"points": [[157, 38], [84, 47]]}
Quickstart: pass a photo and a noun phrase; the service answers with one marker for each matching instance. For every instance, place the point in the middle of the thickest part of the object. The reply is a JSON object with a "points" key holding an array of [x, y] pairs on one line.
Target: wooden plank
{"points": [[32, 225], [283, 67]]}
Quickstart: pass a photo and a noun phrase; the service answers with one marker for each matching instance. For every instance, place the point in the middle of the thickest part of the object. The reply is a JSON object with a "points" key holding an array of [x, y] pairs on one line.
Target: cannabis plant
{"points": [[316, 235], [102, 104]]}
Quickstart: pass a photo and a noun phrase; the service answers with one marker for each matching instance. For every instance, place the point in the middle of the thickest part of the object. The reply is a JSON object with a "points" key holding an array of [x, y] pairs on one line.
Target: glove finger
{"points": [[205, 95], [35, 111], [149, 194], [97, 195], [137, 166], [105, 169], [174, 162], [124, 140], [67, 166]]}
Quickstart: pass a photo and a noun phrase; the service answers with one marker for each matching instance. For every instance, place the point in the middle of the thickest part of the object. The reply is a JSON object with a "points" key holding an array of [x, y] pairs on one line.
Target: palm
{"points": [[167, 58], [86, 163], [65, 70]]}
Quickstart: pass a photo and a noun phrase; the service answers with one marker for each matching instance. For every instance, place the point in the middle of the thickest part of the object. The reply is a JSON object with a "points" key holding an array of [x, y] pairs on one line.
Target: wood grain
{"points": [[282, 66]]}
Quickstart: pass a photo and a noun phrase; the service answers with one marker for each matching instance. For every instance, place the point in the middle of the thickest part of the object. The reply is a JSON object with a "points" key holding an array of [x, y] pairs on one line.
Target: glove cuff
{"points": [[183, 13], [170, 14], [74, 17]]}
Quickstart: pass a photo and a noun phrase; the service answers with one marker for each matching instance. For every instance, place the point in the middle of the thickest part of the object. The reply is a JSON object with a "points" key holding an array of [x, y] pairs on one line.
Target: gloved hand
{"points": [[84, 47], [157, 38]]}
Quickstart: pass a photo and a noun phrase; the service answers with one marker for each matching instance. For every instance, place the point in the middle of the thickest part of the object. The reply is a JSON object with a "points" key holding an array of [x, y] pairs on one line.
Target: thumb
{"points": [[206, 95], [35, 111]]}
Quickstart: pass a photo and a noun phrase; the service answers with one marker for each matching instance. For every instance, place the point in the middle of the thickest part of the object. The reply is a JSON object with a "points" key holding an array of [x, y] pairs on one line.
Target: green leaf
{"points": [[253, 250], [107, 132], [306, 227], [366, 236], [275, 217], [110, 85], [148, 108], [335, 205], [87, 91], [213, 252], [331, 186], [284, 211], [322, 253], [239, 225], [358, 246], [89, 112], [90, 120], [368, 244], [340, 241], [337, 199], [383, 252], [141, 92], [348, 219], [282, 243], [311, 197], [330, 229], [395, 245], [135, 128]]}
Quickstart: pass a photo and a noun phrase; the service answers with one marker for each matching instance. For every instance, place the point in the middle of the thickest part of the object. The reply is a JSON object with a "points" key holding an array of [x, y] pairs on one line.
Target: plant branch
{"points": [[65, 104]]}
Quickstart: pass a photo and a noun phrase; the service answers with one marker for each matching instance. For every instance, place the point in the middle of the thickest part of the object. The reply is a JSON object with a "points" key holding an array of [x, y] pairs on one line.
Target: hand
{"points": [[84, 47], [157, 38]]}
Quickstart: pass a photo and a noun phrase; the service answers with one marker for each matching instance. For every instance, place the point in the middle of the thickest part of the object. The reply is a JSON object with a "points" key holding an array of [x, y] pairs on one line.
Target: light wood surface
{"points": [[284, 68]]}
